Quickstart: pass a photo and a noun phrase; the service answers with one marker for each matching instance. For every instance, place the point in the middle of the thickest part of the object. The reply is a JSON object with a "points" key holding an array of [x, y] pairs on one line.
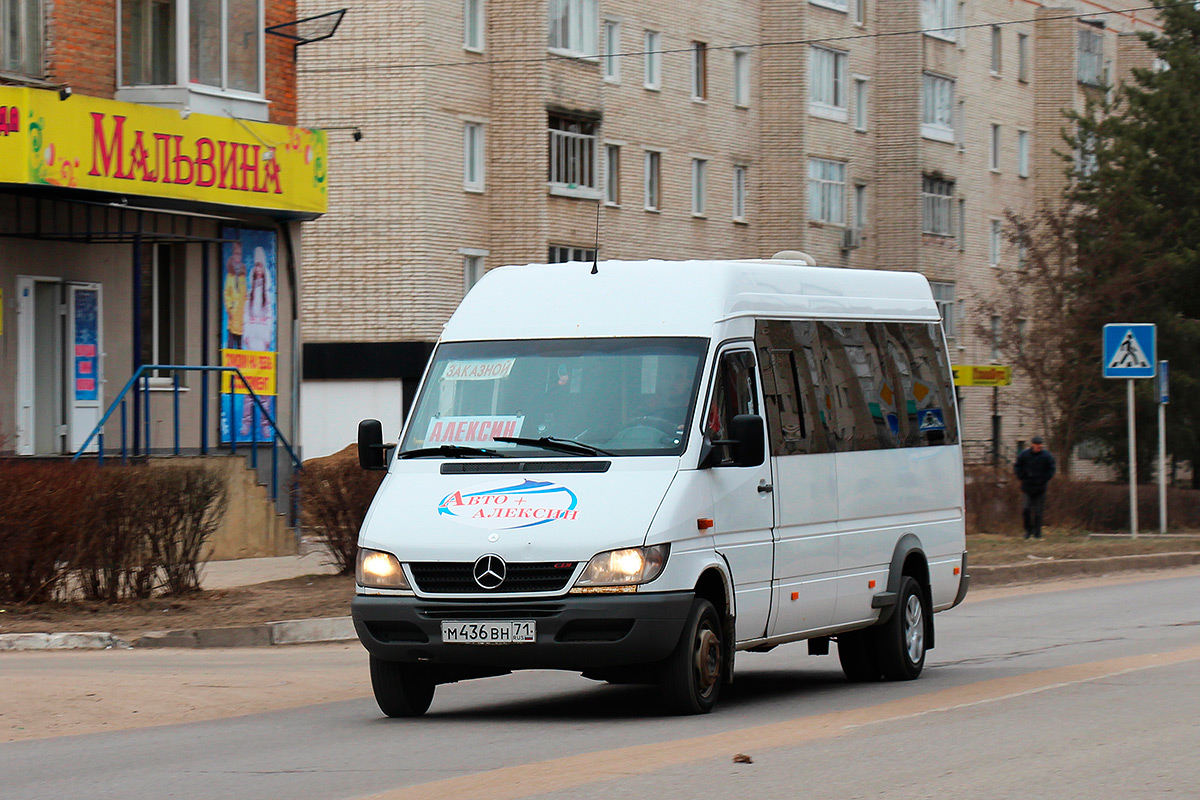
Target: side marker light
{"points": [[870, 584], [704, 523]]}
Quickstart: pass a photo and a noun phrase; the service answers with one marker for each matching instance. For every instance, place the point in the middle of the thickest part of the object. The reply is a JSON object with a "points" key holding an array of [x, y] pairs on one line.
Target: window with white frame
{"points": [[699, 71], [860, 205], [1023, 57], [860, 104], [827, 191], [994, 149], [997, 53], [699, 186], [224, 44], [827, 83], [473, 25], [937, 204], [962, 225], [651, 46], [858, 11], [612, 174], [652, 182], [473, 157], [836, 5], [937, 107], [1091, 57], [1085, 154], [163, 309], [573, 26], [473, 268], [943, 295], [572, 155], [995, 240], [562, 253], [21, 37], [612, 50], [996, 337], [1023, 154], [938, 18], [739, 193], [741, 78], [1022, 255]]}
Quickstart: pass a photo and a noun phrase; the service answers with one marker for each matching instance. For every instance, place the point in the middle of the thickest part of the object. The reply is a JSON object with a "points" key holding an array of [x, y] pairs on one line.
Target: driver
{"points": [[672, 397]]}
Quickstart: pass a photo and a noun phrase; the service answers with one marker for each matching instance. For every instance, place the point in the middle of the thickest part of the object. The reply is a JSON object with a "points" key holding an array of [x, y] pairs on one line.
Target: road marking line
{"points": [[510, 783]]}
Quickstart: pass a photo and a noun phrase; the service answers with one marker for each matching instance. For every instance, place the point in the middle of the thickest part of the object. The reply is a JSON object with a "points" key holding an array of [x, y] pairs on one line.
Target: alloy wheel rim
{"points": [[914, 628]]}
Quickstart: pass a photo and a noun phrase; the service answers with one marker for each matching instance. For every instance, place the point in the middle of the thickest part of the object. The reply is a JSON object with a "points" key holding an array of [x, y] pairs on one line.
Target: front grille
{"points": [[456, 577]]}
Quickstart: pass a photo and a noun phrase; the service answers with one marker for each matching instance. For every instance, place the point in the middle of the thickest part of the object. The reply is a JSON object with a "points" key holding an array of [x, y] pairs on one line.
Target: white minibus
{"points": [[638, 469]]}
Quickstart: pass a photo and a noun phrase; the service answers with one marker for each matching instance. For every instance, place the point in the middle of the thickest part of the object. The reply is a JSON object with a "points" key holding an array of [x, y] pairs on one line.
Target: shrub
{"points": [[187, 504], [335, 494]]}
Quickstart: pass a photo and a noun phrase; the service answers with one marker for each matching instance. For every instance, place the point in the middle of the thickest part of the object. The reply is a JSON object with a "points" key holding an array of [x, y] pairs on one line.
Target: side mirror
{"points": [[749, 440], [372, 454]]}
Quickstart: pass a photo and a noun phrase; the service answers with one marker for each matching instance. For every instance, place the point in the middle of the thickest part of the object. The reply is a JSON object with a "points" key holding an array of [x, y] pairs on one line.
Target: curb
{"points": [[83, 640], [292, 631], [1003, 574]]}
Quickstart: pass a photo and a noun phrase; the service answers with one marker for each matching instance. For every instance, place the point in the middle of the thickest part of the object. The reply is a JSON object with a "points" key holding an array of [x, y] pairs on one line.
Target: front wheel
{"points": [[902, 638], [693, 673], [401, 690]]}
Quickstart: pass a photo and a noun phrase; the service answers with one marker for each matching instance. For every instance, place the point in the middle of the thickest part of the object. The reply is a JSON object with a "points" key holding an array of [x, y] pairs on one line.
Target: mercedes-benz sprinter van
{"points": [[637, 469]]}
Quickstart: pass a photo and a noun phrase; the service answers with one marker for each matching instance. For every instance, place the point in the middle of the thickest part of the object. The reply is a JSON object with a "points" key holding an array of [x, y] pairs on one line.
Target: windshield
{"points": [[622, 396]]}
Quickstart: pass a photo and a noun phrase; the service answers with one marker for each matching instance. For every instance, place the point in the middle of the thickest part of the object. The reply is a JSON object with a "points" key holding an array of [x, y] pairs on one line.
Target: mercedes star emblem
{"points": [[489, 571]]}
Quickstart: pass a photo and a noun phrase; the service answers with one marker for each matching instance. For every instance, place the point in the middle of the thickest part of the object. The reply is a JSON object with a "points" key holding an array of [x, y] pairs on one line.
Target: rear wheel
{"points": [[693, 673], [902, 638], [857, 652], [401, 690]]}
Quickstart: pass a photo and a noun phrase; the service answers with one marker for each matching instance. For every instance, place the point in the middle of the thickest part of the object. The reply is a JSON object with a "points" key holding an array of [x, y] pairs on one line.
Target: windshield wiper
{"points": [[554, 443], [451, 451]]}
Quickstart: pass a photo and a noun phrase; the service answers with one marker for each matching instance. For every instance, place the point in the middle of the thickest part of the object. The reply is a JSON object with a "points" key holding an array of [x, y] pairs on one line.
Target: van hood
{"points": [[421, 514]]}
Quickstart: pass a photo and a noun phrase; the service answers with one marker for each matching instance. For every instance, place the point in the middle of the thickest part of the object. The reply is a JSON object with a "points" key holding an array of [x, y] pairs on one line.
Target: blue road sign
{"points": [[1129, 350]]}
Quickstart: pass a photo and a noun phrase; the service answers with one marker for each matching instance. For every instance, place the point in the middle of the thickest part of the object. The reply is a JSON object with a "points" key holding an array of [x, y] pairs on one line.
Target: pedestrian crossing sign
{"points": [[1129, 350]]}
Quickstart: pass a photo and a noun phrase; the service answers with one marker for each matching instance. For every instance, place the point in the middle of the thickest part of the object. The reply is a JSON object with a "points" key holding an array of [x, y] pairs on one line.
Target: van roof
{"points": [[676, 298]]}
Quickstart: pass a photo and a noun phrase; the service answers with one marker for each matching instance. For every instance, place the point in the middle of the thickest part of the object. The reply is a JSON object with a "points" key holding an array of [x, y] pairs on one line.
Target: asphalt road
{"points": [[1088, 690]]}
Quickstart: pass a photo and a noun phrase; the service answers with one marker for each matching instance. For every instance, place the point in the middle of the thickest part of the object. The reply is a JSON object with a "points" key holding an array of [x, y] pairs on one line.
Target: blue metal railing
{"points": [[143, 374]]}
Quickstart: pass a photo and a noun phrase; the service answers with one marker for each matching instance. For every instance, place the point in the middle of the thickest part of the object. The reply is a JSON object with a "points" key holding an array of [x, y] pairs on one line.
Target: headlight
{"points": [[379, 570], [626, 567]]}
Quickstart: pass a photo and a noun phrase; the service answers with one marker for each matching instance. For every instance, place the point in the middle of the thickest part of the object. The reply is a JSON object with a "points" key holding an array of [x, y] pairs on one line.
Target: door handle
{"points": [[765, 487]]}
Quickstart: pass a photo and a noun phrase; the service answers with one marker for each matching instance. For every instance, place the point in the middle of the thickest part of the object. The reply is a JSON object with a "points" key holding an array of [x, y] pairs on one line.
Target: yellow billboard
{"points": [[982, 375], [131, 149]]}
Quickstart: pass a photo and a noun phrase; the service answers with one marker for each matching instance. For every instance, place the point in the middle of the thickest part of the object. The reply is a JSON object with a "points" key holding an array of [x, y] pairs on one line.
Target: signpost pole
{"points": [[1163, 398], [1133, 509]]}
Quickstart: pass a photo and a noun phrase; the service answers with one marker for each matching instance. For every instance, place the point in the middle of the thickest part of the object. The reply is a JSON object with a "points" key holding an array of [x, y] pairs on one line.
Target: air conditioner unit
{"points": [[851, 238]]}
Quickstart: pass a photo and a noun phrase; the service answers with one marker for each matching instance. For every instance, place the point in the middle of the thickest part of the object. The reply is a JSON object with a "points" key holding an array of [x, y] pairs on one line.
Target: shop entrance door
{"points": [[59, 364]]}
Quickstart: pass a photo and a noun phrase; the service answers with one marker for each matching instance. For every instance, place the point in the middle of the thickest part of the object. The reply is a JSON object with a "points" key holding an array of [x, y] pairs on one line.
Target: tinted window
{"points": [[733, 393]]}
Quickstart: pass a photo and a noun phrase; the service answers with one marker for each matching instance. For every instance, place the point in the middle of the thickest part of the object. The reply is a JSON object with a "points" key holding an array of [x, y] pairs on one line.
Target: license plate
{"points": [[520, 631]]}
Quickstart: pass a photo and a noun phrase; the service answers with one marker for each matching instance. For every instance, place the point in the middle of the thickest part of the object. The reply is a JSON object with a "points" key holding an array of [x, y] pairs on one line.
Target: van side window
{"points": [[733, 393]]}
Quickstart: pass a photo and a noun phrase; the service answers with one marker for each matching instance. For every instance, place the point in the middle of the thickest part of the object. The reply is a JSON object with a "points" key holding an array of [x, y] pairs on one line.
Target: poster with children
{"points": [[248, 332]]}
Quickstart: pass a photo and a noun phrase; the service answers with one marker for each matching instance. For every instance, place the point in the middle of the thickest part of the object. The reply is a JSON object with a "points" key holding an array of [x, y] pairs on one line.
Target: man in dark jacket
{"points": [[1034, 467]]}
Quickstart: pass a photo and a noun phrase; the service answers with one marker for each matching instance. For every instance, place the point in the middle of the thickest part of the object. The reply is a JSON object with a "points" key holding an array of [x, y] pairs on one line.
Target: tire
{"points": [[857, 652], [401, 690], [901, 640], [692, 675]]}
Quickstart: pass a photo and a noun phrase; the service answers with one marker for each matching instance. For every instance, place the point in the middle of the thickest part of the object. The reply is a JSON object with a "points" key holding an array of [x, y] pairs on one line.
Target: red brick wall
{"points": [[281, 64]]}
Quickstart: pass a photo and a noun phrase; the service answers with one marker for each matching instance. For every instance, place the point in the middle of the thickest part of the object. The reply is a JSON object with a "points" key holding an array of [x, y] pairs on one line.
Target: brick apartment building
{"points": [[868, 134], [143, 144]]}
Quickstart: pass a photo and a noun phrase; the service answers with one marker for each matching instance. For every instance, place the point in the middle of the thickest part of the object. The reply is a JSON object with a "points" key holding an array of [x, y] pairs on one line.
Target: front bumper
{"points": [[575, 632]]}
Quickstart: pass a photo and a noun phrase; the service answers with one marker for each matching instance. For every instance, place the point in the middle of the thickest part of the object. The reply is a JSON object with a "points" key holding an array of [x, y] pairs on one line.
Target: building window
{"points": [[473, 157], [1085, 154], [858, 11], [473, 269], [995, 233], [1023, 57], [699, 186], [612, 174], [572, 155], [573, 26], [860, 104], [148, 44], [473, 25], [562, 253], [827, 191], [651, 45], [739, 194], [937, 108], [163, 305], [937, 203], [699, 71], [653, 180], [836, 5], [1091, 57], [21, 37], [827, 83], [1022, 255], [996, 328], [612, 51], [860, 205], [997, 58], [943, 295], [1023, 154], [741, 78], [938, 18], [994, 149], [962, 225]]}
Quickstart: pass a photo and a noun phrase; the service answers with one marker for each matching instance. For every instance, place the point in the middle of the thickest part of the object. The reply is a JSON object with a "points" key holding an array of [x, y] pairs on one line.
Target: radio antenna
{"points": [[596, 250]]}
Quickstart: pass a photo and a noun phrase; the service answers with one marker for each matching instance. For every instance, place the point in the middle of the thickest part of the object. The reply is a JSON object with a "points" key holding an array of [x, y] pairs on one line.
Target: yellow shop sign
{"points": [[130, 149], [982, 375]]}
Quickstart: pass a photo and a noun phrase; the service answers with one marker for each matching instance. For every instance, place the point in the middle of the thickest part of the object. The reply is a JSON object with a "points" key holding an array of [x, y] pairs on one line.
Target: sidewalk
{"points": [[248, 571]]}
